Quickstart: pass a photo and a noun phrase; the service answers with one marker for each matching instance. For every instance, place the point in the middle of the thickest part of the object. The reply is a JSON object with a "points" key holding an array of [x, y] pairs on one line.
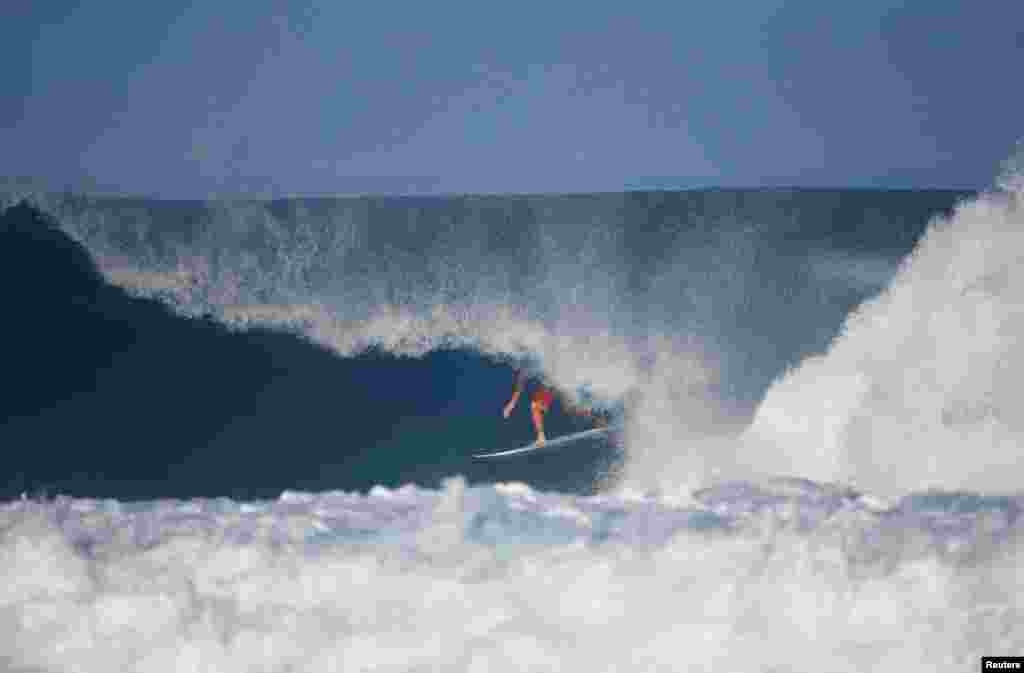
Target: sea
{"points": [[237, 433]]}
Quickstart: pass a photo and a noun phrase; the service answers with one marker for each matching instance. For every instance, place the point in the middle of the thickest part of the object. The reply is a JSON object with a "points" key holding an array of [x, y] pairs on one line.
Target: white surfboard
{"points": [[549, 444]]}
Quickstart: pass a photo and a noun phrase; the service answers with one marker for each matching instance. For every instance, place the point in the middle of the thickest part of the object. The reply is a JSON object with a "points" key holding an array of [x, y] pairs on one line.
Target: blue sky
{"points": [[188, 99]]}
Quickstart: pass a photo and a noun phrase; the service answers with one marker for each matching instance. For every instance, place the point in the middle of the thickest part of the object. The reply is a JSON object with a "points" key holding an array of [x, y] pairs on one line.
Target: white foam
{"points": [[788, 575], [921, 389]]}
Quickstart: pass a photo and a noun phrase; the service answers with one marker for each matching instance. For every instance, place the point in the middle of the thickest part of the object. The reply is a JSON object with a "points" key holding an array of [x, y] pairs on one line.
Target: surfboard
{"points": [[558, 442]]}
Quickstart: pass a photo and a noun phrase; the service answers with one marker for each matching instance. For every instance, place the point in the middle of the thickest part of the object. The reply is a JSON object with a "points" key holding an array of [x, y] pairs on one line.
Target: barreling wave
{"points": [[687, 304]]}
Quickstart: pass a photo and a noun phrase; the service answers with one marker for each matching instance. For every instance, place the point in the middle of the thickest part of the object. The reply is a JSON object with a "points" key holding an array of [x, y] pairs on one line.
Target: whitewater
{"points": [[819, 468]]}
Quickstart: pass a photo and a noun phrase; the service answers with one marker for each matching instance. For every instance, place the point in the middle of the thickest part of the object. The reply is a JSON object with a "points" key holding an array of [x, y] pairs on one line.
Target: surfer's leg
{"points": [[537, 410], [539, 405]]}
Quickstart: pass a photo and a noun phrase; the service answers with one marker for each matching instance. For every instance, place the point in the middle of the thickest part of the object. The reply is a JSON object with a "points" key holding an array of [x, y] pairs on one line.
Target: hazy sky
{"points": [[314, 96]]}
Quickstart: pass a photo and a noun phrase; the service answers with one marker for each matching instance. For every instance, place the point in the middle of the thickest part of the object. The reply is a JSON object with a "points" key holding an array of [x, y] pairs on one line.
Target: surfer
{"points": [[540, 403]]}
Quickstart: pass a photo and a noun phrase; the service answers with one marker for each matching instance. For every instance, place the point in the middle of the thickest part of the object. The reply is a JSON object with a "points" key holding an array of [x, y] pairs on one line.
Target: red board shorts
{"points": [[543, 398]]}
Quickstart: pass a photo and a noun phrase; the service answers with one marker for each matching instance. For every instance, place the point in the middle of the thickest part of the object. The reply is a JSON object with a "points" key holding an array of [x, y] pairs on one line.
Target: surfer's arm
{"points": [[517, 390]]}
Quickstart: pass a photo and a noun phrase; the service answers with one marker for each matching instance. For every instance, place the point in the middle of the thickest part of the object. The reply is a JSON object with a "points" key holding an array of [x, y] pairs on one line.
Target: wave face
{"points": [[682, 306]]}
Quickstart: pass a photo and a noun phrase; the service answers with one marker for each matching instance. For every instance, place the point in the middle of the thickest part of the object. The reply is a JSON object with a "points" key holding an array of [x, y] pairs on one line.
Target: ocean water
{"points": [[238, 434]]}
